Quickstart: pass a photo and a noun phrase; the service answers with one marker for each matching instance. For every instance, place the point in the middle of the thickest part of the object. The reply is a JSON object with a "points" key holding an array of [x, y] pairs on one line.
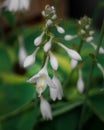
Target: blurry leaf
{"points": [[96, 103], [14, 96], [24, 120], [64, 107], [5, 62], [66, 121], [9, 17], [10, 78]]}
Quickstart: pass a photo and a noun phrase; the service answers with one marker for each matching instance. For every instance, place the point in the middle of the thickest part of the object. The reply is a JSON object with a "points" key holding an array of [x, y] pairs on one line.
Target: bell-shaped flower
{"points": [[38, 40], [30, 60], [74, 63], [91, 32], [53, 61], [54, 17], [16, 5], [58, 92], [60, 29], [69, 37], [80, 83], [22, 52], [49, 22], [101, 68], [42, 79], [45, 109], [89, 39], [48, 45], [72, 53]]}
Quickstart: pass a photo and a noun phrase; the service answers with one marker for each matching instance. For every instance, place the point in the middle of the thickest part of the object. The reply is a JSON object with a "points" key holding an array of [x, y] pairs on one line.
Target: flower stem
{"points": [[88, 85]]}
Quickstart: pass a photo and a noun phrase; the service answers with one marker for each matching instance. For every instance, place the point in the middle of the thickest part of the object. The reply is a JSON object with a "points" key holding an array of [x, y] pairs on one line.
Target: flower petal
{"points": [[45, 109]]}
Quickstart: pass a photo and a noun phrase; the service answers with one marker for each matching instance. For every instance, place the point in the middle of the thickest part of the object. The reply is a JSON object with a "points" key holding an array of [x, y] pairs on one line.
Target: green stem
{"points": [[88, 85]]}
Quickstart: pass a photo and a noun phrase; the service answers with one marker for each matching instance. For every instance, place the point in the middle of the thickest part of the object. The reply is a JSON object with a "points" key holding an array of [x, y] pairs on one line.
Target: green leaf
{"points": [[14, 96], [96, 103]]}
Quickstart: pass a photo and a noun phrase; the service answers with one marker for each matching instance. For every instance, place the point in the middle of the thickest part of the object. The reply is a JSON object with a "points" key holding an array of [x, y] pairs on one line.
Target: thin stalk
{"points": [[88, 84]]}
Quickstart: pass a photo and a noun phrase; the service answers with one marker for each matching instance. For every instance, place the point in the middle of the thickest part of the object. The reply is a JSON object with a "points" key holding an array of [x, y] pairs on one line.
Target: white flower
{"points": [[89, 39], [60, 29], [83, 31], [45, 109], [22, 52], [87, 26], [73, 54], [42, 79], [29, 60], [49, 22], [53, 61], [54, 17], [101, 50], [38, 40], [80, 83], [58, 92], [16, 5], [48, 45], [101, 68], [74, 63], [69, 37]]}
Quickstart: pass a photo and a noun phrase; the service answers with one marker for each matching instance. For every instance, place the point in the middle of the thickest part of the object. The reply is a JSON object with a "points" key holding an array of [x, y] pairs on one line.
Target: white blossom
{"points": [[48, 45], [49, 22], [74, 63], [16, 5], [83, 31], [53, 61], [30, 60], [89, 39], [45, 109], [69, 37], [60, 29], [72, 53], [54, 17], [22, 52], [42, 79], [38, 40], [58, 92], [80, 82]]}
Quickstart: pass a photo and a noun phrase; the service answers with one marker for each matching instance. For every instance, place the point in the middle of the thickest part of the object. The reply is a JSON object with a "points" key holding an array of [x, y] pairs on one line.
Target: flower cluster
{"points": [[46, 40]]}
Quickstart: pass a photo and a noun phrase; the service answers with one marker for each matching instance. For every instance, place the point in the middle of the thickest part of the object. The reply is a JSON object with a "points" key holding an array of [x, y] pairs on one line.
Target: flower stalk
{"points": [[88, 84]]}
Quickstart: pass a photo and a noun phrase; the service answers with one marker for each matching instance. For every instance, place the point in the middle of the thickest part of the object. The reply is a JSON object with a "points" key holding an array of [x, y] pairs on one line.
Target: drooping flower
{"points": [[30, 60], [80, 82], [53, 61], [16, 5], [42, 79], [60, 29], [22, 51], [58, 92], [69, 37], [72, 53], [38, 40], [48, 45], [89, 39], [49, 22], [45, 109], [74, 63]]}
